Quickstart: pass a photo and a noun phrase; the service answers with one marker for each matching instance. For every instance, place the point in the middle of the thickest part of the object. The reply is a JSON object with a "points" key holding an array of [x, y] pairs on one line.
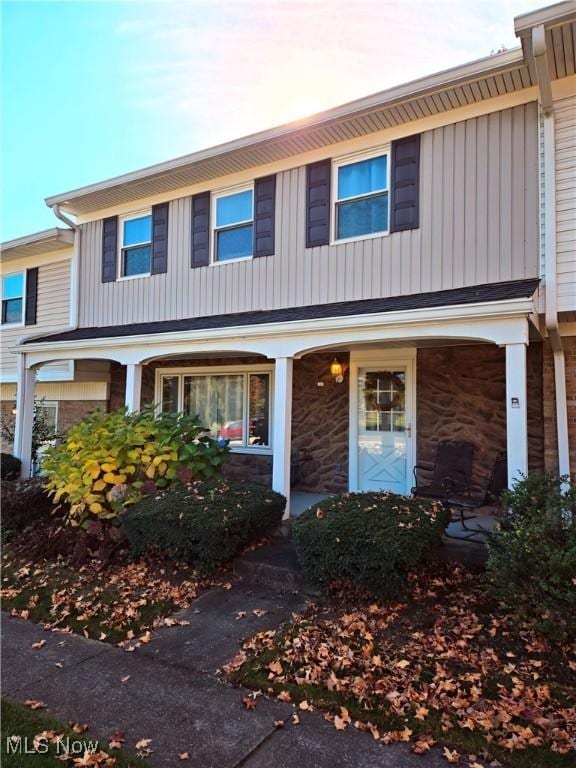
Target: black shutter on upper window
{"points": [[201, 230], [405, 184], [30, 311], [318, 203], [159, 262], [109, 249], [264, 215]]}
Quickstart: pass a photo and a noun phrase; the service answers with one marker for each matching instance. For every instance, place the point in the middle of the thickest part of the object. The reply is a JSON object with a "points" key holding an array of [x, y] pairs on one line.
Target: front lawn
{"points": [[447, 667], [31, 739], [118, 603]]}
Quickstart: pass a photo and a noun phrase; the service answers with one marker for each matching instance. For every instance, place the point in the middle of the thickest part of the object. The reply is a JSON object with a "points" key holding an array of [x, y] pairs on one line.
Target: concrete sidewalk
{"points": [[173, 697]]}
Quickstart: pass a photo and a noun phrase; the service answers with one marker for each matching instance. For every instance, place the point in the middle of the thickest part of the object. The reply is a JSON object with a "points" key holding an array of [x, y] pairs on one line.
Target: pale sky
{"points": [[91, 90]]}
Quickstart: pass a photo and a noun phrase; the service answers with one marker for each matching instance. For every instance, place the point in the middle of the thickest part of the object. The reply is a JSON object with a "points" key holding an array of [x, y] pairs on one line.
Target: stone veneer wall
{"points": [[549, 400], [320, 424], [461, 394]]}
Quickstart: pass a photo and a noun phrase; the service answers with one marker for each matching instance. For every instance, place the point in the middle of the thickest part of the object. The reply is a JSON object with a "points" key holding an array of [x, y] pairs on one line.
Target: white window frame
{"points": [[215, 370], [128, 217], [22, 322], [215, 196], [52, 404], [357, 157]]}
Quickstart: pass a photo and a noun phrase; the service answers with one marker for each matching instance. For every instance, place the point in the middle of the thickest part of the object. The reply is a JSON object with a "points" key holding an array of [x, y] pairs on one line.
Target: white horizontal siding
{"points": [[53, 312], [565, 135], [478, 223]]}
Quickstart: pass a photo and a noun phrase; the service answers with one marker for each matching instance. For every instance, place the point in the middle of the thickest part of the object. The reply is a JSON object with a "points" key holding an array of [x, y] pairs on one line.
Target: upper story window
{"points": [[13, 298], [361, 197], [136, 245], [233, 225]]}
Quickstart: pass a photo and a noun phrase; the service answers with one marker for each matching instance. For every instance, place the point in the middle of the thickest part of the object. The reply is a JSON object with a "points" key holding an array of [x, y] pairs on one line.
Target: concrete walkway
{"points": [[167, 691]]}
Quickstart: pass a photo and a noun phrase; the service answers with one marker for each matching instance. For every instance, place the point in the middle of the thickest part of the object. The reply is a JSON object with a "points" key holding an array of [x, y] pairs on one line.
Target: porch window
{"points": [[361, 197], [136, 245], [234, 225], [233, 404], [12, 298]]}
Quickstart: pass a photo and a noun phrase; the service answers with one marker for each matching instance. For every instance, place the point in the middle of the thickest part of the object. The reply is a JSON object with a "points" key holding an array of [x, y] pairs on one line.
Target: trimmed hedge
{"points": [[205, 522], [370, 539], [24, 502], [9, 466]]}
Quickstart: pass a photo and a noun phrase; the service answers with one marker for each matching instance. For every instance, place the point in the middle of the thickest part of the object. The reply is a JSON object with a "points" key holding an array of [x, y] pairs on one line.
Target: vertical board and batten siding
{"points": [[53, 312], [565, 134], [478, 223]]}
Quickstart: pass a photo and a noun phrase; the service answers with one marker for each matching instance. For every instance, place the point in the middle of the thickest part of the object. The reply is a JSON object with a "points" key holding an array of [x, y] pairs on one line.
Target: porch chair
{"points": [[449, 475], [497, 483]]}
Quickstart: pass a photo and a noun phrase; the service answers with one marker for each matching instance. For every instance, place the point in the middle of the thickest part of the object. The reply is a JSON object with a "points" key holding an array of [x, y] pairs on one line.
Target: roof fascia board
{"points": [[552, 15]]}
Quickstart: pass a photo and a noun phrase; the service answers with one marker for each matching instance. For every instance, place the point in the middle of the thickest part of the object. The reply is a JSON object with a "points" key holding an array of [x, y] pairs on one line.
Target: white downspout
{"points": [[540, 53], [74, 267]]}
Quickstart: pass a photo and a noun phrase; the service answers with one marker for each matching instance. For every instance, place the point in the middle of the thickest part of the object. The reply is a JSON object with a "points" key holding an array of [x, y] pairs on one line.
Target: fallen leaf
{"points": [[33, 704], [39, 644], [143, 743], [249, 703], [183, 756], [451, 755]]}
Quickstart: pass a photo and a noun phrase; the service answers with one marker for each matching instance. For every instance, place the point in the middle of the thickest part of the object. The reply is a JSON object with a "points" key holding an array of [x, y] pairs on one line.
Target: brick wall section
{"points": [[461, 394], [70, 412], [549, 402]]}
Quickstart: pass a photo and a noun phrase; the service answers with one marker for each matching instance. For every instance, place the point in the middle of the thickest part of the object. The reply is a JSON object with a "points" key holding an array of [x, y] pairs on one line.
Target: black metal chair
{"points": [[462, 503], [449, 475]]}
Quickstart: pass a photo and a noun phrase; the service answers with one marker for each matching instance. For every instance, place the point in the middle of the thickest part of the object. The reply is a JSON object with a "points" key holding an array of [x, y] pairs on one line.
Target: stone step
{"points": [[275, 565]]}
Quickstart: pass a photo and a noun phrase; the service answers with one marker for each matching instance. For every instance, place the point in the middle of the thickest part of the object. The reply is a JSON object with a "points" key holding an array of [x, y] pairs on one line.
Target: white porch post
{"points": [[282, 429], [133, 386], [24, 415], [516, 412]]}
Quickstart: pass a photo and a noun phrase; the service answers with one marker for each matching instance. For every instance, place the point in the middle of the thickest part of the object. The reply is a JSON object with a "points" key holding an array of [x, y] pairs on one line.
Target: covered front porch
{"points": [[331, 404]]}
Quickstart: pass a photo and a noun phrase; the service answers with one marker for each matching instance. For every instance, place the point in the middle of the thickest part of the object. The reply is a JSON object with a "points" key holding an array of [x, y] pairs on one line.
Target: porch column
{"points": [[516, 412], [282, 429], [24, 415], [133, 386]]}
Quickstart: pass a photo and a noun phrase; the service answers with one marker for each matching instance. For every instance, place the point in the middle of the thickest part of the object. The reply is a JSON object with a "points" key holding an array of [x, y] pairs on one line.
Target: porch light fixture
{"points": [[337, 371]]}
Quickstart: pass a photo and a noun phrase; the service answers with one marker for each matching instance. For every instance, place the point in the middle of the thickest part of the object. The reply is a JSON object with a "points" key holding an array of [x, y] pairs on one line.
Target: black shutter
{"points": [[159, 239], [109, 249], [318, 203], [405, 178], [31, 296], [201, 230], [264, 215]]}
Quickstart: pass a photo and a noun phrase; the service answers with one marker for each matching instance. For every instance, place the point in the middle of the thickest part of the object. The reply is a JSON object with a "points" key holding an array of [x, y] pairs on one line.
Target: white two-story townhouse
{"points": [[337, 295], [35, 280]]}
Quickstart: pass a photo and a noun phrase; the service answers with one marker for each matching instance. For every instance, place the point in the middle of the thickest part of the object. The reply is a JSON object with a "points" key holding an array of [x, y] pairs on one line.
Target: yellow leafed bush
{"points": [[110, 460]]}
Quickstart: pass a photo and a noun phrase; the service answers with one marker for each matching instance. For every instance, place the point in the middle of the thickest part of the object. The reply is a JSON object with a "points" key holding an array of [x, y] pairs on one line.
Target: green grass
{"points": [[17, 720]]}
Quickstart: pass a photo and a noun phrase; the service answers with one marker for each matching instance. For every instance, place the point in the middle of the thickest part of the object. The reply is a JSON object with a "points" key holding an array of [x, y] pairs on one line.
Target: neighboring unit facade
{"points": [[35, 290], [337, 296]]}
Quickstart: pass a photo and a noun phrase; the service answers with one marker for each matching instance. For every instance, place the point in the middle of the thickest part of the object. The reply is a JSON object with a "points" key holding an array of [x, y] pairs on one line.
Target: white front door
{"points": [[384, 425]]}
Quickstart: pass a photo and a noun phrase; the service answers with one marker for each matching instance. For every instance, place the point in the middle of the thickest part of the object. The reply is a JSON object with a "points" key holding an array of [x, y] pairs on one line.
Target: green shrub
{"points": [[370, 539], [204, 522], [532, 562], [9, 466], [24, 502], [110, 460]]}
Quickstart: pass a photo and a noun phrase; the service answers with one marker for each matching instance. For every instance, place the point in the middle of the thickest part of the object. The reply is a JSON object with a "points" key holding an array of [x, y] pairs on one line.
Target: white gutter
{"points": [[540, 54], [74, 267]]}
